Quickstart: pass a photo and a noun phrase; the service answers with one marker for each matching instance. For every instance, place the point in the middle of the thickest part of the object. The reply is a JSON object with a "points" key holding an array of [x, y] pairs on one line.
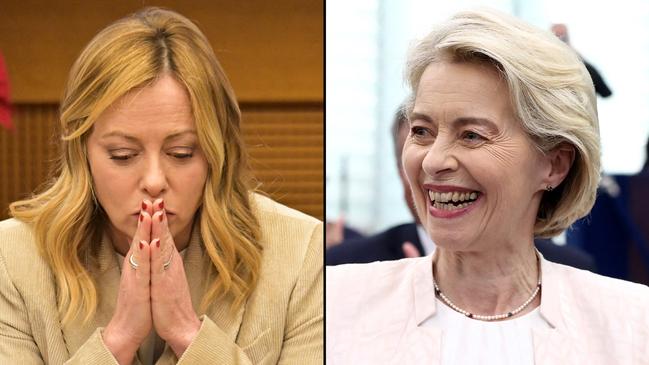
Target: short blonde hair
{"points": [[551, 91], [132, 53]]}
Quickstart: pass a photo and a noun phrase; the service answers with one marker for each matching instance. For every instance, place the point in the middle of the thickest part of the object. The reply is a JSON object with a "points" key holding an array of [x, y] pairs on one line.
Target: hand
{"points": [[335, 232], [174, 318], [410, 250], [131, 323]]}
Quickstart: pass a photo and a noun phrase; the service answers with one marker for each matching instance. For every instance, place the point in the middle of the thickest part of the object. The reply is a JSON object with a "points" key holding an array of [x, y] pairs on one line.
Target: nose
{"points": [[440, 158], [153, 181]]}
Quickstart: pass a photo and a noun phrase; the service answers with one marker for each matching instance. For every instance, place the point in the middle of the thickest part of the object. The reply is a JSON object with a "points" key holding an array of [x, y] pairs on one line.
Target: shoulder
{"points": [[287, 235], [601, 304], [599, 286], [352, 287], [19, 255], [273, 214], [17, 242]]}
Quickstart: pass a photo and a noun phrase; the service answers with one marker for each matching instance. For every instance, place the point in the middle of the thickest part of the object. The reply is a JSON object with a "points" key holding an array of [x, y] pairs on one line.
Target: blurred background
{"points": [[271, 51], [366, 43]]}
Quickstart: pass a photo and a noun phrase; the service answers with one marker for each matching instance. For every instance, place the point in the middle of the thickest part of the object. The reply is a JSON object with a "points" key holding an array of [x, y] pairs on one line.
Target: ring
{"points": [[134, 264], [166, 264]]}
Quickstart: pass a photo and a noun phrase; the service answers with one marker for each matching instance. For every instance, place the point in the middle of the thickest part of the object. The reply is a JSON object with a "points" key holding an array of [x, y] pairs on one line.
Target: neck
{"points": [[488, 282]]}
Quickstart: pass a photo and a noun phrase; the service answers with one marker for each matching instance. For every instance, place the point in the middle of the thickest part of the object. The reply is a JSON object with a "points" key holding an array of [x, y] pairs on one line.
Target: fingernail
{"points": [[157, 242], [160, 216], [141, 217], [161, 205], [141, 245], [143, 206]]}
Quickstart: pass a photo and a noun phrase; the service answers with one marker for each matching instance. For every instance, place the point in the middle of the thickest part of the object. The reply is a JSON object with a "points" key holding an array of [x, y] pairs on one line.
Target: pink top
{"points": [[375, 312]]}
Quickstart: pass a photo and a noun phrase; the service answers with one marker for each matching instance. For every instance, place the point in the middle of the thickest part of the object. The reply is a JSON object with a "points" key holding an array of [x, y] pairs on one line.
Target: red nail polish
{"points": [[143, 206], [161, 205], [157, 243], [160, 216], [141, 217], [141, 245]]}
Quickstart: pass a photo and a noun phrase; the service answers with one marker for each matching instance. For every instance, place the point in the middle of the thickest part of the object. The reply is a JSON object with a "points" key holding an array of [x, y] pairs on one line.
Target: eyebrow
{"points": [[461, 121], [134, 139]]}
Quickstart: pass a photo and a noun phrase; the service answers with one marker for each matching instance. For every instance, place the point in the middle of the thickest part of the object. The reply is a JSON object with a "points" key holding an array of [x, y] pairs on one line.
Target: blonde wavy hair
{"points": [[551, 91], [130, 53]]}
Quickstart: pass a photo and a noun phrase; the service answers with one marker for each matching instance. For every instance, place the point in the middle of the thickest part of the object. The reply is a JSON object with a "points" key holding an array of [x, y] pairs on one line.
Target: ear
{"points": [[561, 159]]}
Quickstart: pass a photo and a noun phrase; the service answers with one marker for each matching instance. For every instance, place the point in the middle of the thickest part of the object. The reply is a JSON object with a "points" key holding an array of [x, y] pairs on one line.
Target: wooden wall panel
{"points": [[271, 50], [285, 144]]}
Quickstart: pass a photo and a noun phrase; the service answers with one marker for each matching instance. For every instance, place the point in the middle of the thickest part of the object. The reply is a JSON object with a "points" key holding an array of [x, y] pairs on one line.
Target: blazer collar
{"points": [[199, 276], [423, 289], [551, 294], [424, 292], [550, 344], [105, 270]]}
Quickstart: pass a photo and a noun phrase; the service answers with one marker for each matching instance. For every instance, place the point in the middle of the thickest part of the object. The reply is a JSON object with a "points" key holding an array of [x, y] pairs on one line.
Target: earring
{"points": [[549, 188]]}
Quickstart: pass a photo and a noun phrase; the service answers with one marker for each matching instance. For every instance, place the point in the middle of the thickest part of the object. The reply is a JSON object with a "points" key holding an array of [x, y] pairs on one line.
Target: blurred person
{"points": [[503, 147], [337, 232], [601, 88], [150, 245], [411, 239]]}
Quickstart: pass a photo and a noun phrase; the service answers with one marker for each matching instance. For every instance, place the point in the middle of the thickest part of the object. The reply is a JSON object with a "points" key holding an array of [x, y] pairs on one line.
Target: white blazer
{"points": [[374, 315]]}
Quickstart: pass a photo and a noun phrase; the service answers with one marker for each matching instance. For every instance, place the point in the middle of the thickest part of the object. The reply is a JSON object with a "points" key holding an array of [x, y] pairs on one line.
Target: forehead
{"points": [[463, 89], [160, 107]]}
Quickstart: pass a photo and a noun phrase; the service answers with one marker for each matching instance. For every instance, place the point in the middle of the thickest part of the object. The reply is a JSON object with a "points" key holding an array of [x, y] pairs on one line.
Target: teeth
{"points": [[455, 197]]}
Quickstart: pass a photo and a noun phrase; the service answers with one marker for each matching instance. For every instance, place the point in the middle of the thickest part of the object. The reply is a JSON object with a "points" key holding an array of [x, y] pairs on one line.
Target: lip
{"points": [[446, 188], [166, 212], [449, 214]]}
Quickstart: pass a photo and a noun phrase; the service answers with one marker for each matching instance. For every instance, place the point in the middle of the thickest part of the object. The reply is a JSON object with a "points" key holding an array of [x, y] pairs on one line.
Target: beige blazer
{"points": [[281, 321], [374, 314]]}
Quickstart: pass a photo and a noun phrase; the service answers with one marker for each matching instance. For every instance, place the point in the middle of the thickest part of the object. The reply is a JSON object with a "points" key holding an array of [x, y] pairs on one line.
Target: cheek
{"points": [[192, 182], [112, 185], [411, 161]]}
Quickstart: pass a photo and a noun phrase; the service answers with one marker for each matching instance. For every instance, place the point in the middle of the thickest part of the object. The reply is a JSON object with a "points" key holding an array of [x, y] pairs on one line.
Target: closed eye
{"points": [[124, 156], [181, 156]]}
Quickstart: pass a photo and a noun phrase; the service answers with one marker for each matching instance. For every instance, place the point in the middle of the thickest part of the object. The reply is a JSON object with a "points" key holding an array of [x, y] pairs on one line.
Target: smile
{"points": [[452, 200]]}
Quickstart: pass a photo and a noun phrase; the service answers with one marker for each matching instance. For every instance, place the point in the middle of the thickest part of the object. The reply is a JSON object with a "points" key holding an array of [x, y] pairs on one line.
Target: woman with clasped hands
{"points": [[503, 147], [150, 245]]}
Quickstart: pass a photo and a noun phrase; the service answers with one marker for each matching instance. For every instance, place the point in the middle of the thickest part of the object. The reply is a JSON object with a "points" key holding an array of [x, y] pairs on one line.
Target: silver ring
{"points": [[166, 264], [134, 264]]}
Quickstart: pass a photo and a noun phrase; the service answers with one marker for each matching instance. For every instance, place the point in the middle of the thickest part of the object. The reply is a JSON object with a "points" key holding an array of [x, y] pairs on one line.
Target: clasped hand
{"points": [[151, 296]]}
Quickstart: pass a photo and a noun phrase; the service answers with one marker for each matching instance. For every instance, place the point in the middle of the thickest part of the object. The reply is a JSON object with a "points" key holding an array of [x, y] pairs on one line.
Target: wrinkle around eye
{"points": [[503, 152]]}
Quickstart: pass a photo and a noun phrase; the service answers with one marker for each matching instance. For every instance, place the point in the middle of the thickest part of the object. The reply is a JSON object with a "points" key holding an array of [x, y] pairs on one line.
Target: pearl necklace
{"points": [[487, 318]]}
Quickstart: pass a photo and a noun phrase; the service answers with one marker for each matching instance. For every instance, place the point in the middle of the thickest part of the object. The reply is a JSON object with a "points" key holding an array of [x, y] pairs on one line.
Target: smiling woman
{"points": [[151, 244], [503, 147]]}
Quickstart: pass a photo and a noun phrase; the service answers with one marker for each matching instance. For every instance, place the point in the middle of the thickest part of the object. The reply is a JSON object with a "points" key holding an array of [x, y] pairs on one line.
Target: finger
{"points": [[143, 270], [410, 250], [142, 236], [147, 206], [162, 243], [143, 231], [157, 225], [158, 205]]}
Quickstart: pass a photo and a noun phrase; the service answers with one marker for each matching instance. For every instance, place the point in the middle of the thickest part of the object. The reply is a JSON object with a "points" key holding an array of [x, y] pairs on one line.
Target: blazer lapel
{"points": [[197, 270], [107, 277], [551, 346]]}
